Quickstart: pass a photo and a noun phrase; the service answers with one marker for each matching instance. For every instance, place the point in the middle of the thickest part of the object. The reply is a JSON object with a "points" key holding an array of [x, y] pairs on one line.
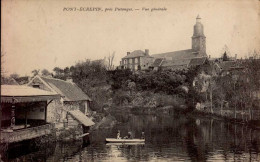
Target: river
{"points": [[169, 137]]}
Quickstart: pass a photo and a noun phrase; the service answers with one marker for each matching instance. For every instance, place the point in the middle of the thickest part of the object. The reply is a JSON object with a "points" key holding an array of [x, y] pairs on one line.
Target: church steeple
{"points": [[198, 19], [198, 38]]}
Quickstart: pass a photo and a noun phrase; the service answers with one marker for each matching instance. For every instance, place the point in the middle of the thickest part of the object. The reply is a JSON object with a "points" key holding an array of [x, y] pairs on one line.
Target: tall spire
{"points": [[198, 27], [198, 38], [198, 18]]}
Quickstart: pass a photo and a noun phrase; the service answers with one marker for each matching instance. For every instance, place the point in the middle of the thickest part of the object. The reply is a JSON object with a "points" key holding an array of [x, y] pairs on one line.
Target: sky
{"points": [[40, 34]]}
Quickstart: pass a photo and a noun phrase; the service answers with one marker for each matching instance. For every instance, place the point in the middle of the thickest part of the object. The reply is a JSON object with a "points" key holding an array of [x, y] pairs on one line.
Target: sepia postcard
{"points": [[133, 80]]}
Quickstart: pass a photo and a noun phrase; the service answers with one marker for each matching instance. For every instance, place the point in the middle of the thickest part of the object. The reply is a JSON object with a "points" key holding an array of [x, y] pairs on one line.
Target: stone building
{"points": [[198, 46], [23, 113], [136, 60], [74, 103], [139, 60]]}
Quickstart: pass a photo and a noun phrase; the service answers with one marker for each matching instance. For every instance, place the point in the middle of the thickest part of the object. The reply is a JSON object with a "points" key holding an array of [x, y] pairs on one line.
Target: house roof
{"points": [[182, 62], [83, 119], [136, 53], [197, 61], [177, 55], [25, 94], [8, 81], [227, 65], [69, 90], [157, 62]]}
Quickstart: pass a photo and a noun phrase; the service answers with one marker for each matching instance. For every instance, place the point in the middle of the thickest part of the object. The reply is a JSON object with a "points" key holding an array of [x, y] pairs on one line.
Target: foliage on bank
{"points": [[113, 88], [234, 94], [123, 88]]}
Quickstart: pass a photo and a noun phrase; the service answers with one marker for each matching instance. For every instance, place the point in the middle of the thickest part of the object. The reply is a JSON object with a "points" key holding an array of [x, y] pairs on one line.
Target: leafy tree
{"points": [[59, 73], [225, 57], [45, 72], [119, 77], [66, 71], [92, 78], [35, 72], [72, 68], [226, 50], [23, 80], [15, 76]]}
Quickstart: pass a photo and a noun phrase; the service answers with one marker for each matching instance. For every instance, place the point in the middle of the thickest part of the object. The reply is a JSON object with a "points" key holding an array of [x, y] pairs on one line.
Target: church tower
{"points": [[199, 39]]}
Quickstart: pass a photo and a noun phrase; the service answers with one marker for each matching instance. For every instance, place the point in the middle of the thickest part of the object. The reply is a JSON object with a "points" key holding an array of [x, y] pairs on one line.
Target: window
{"points": [[36, 86], [82, 107]]}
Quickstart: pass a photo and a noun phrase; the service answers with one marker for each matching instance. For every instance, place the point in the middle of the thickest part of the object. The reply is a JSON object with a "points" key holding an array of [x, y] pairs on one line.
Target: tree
{"points": [[66, 71], [45, 72], [72, 68], [22, 80], [225, 57], [58, 71], [131, 86], [15, 76], [110, 59], [226, 50], [35, 72], [92, 78], [250, 83]]}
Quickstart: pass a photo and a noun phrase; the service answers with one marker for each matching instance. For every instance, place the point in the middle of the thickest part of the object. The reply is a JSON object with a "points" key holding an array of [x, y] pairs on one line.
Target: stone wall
{"points": [[146, 62], [55, 112]]}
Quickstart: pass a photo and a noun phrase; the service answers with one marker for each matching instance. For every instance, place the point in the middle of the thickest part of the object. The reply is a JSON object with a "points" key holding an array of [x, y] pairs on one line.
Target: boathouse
{"points": [[23, 113], [72, 110]]}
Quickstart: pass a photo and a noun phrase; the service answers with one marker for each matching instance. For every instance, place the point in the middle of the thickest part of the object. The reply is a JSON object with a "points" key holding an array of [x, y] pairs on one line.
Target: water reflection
{"points": [[168, 137]]}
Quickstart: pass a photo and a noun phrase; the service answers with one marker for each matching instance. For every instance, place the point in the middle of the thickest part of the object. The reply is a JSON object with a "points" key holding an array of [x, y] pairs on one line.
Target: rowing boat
{"points": [[124, 144], [114, 140]]}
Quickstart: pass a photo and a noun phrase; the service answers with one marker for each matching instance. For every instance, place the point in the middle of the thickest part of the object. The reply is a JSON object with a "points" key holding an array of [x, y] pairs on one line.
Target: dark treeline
{"points": [[237, 90], [111, 87]]}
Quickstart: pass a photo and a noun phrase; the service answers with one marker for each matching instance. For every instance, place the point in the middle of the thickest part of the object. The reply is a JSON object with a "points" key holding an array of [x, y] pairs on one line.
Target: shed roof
{"points": [[157, 62], [8, 81], [227, 65], [69, 90], [136, 53], [182, 62], [82, 118], [25, 94], [197, 61]]}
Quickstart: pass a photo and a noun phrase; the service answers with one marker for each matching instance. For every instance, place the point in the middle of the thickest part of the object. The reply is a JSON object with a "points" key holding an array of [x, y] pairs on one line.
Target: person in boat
{"points": [[118, 135], [142, 136], [129, 136]]}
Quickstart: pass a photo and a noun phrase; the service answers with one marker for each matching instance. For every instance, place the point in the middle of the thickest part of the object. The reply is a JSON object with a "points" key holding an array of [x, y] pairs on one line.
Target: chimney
{"points": [[146, 52], [209, 56], [127, 53], [235, 56]]}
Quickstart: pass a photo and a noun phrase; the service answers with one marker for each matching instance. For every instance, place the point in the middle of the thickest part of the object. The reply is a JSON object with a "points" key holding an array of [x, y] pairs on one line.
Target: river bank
{"points": [[183, 110]]}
